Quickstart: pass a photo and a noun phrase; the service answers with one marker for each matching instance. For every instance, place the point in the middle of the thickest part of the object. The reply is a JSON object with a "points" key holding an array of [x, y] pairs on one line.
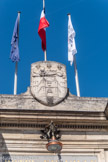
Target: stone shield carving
{"points": [[48, 82]]}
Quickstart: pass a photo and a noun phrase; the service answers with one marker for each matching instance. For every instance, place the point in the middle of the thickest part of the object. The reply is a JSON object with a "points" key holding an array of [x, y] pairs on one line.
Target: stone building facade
{"points": [[82, 121]]}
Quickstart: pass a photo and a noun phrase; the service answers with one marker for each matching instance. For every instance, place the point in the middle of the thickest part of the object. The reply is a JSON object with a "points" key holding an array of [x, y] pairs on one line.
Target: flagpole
{"points": [[76, 77], [44, 5], [45, 53], [45, 56], [16, 64], [15, 78]]}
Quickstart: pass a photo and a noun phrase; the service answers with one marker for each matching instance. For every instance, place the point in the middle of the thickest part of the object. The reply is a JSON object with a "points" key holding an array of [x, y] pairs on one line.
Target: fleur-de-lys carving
{"points": [[48, 66]]}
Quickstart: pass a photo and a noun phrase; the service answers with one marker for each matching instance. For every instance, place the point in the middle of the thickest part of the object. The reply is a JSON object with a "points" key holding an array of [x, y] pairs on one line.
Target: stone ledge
{"points": [[72, 103]]}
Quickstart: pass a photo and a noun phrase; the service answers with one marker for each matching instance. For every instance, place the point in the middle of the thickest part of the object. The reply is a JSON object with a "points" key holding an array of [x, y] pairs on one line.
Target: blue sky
{"points": [[90, 21]]}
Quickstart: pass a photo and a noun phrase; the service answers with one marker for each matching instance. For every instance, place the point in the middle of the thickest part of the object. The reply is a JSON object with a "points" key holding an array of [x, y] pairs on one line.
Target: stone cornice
{"points": [[66, 121], [71, 103]]}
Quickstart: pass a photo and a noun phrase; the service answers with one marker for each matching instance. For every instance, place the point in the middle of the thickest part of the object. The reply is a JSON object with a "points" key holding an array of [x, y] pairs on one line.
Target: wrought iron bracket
{"points": [[50, 131]]}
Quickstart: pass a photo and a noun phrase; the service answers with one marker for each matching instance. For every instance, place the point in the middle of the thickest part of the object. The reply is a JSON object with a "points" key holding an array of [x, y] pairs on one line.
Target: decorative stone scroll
{"points": [[48, 82]]}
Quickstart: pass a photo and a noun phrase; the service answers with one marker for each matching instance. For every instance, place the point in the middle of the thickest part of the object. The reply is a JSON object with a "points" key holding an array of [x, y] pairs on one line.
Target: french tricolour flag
{"points": [[41, 30]]}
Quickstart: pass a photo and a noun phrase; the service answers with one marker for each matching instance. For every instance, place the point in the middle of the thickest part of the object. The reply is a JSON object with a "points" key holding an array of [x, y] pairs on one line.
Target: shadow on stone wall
{"points": [[60, 158], [4, 154]]}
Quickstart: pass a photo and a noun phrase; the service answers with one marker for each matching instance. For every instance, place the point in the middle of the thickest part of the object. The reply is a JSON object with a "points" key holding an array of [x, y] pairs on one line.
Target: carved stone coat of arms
{"points": [[48, 82]]}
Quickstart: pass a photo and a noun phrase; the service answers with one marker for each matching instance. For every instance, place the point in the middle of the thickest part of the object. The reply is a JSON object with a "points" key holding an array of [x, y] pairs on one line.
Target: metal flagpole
{"points": [[76, 77], [44, 5], [15, 78], [16, 64], [45, 54]]}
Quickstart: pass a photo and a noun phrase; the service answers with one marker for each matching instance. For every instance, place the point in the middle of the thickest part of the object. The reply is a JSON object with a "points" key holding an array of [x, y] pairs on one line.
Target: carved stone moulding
{"points": [[71, 127], [48, 82]]}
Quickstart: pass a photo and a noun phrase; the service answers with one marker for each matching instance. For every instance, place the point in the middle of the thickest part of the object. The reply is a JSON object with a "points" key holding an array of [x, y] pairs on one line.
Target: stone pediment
{"points": [[71, 103], [48, 92], [77, 113]]}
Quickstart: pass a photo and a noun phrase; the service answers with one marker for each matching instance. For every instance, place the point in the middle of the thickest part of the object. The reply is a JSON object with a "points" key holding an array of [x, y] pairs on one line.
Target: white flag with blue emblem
{"points": [[71, 41]]}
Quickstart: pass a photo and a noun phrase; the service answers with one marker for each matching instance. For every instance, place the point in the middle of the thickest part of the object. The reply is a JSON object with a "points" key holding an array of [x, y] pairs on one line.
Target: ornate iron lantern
{"points": [[52, 135]]}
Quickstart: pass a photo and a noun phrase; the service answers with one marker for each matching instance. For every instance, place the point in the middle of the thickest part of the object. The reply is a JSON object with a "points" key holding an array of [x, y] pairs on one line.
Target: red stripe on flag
{"points": [[41, 31]]}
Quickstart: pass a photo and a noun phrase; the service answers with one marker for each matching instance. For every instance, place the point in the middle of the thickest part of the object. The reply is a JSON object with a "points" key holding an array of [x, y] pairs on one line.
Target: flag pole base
{"points": [[45, 56]]}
